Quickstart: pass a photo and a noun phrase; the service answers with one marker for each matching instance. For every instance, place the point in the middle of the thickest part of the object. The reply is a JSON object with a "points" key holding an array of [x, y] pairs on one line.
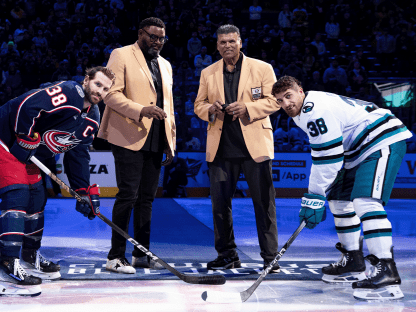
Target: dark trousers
{"points": [[224, 174], [137, 176]]}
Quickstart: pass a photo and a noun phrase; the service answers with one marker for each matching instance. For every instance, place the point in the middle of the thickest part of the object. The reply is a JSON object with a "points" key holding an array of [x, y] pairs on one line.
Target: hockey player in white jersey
{"points": [[357, 149]]}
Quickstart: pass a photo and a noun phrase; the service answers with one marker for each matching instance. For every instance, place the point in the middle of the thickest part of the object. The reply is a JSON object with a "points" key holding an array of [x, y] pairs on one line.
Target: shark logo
{"points": [[307, 107], [59, 141]]}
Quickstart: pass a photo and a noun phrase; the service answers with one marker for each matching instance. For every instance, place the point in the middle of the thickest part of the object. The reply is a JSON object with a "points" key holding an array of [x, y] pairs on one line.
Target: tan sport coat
{"points": [[254, 89], [133, 89]]}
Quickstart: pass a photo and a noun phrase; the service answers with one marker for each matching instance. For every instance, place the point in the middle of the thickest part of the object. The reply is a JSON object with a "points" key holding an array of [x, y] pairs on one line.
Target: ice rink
{"points": [[68, 236]]}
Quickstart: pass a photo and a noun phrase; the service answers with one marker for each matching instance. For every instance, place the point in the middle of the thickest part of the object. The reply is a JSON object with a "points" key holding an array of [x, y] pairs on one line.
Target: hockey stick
{"points": [[194, 279], [224, 297]]}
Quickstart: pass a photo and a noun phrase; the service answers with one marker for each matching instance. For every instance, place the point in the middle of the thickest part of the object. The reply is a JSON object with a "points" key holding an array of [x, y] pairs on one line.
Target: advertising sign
{"points": [[290, 170]]}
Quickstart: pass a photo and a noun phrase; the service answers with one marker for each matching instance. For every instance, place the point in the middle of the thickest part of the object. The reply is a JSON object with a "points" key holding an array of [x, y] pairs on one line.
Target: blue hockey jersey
{"points": [[56, 113]]}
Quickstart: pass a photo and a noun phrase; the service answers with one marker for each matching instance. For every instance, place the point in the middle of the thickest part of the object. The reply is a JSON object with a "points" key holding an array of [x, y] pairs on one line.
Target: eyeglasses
{"points": [[154, 38]]}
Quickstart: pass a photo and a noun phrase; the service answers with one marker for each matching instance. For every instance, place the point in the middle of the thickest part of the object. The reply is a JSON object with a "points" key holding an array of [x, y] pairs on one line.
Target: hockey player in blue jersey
{"points": [[357, 149], [59, 118]]}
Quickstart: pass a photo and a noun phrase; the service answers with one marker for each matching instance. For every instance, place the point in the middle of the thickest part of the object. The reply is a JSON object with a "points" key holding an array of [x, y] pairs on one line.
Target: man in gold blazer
{"points": [[235, 98], [139, 124]]}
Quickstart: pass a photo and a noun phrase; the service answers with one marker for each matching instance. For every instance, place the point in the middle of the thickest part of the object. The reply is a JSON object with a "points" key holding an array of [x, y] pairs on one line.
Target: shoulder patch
{"points": [[80, 91], [307, 107]]}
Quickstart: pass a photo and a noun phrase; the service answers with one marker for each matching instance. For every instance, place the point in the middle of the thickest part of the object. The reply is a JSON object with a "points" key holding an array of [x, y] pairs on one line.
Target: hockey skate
{"points": [[350, 267], [382, 282], [12, 272], [12, 290], [38, 265]]}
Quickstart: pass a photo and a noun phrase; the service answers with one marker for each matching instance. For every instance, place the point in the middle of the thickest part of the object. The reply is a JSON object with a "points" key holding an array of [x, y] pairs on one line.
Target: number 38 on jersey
{"points": [[57, 97], [317, 127]]}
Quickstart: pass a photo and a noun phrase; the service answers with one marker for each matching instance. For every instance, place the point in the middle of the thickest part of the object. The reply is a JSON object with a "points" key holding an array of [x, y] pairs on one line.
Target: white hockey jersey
{"points": [[344, 131]]}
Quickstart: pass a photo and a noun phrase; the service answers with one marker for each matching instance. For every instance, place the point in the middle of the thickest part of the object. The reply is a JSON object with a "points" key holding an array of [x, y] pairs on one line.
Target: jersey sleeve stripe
{"points": [[20, 106], [377, 139], [327, 159], [325, 148], [367, 130], [322, 146]]}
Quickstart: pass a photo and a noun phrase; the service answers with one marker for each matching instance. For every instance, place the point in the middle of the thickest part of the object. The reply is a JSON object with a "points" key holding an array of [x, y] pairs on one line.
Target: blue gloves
{"points": [[313, 210], [91, 207], [25, 146]]}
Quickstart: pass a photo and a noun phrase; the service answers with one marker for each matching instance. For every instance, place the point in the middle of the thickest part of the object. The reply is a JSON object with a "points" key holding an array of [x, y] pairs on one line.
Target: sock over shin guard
{"points": [[347, 224], [376, 226], [12, 220], [34, 219]]}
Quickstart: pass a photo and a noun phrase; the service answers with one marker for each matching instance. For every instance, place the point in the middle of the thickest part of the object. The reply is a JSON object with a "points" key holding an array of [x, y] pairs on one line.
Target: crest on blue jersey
{"points": [[59, 141], [307, 107]]}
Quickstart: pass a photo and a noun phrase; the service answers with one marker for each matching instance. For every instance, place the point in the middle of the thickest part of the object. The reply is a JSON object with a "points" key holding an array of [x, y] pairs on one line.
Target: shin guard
{"points": [[34, 219], [376, 226], [14, 205], [347, 224]]}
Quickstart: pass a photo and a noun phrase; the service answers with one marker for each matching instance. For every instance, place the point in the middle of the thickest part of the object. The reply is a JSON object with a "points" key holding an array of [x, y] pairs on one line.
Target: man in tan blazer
{"points": [[139, 124], [235, 97]]}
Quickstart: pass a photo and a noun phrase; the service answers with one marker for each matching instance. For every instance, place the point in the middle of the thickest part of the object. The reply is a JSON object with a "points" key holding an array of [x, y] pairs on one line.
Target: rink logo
{"points": [[98, 169], [299, 270]]}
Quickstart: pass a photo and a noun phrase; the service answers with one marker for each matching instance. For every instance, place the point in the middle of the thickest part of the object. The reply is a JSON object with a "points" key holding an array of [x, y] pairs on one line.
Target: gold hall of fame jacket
{"points": [[133, 89], [254, 89]]}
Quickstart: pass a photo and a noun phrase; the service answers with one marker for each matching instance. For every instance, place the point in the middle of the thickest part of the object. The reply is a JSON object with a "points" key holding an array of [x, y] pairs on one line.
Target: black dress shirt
{"points": [[232, 143], [155, 141]]}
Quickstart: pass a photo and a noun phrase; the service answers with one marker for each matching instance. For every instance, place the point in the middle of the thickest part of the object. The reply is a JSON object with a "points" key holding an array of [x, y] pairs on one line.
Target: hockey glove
{"points": [[25, 146], [91, 206], [313, 209]]}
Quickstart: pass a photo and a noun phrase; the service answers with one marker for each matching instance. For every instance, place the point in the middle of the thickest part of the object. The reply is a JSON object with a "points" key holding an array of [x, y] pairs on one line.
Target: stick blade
{"points": [[205, 279], [221, 297]]}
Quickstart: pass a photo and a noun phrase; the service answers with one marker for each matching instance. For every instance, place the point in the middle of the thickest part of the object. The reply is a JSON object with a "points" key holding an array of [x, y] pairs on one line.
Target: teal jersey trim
{"points": [[369, 127], [327, 143], [328, 161], [387, 135]]}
